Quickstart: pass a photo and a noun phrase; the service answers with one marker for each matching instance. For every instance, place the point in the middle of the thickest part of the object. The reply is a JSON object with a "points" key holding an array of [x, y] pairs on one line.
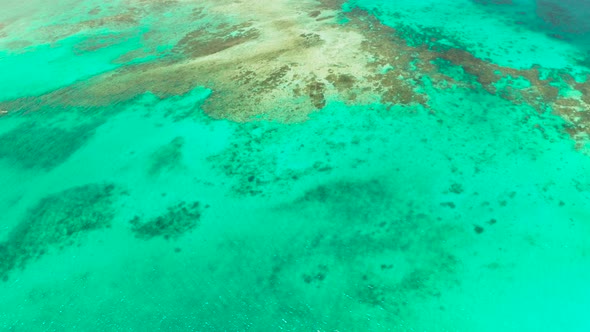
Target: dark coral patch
{"points": [[199, 43], [478, 229], [37, 146], [58, 220], [350, 200], [176, 221], [366, 219], [316, 90]]}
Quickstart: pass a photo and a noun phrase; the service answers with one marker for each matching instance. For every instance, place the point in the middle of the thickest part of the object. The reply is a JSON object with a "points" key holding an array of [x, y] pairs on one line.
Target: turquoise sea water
{"points": [[149, 215]]}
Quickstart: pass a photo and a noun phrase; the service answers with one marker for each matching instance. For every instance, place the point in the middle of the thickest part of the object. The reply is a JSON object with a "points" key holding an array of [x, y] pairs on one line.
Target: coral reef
{"points": [[291, 66], [394, 254], [58, 220], [33, 145], [176, 221]]}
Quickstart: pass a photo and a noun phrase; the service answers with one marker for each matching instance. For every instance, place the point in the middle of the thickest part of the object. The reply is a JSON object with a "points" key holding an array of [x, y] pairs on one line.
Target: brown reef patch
{"points": [[269, 61], [201, 43]]}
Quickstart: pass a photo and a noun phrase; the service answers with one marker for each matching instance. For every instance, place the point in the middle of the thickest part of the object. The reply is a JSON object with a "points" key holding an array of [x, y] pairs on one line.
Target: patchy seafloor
{"points": [[370, 165]]}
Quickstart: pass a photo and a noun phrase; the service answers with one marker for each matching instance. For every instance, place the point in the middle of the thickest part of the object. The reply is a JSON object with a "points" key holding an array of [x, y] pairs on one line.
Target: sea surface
{"points": [[310, 165]]}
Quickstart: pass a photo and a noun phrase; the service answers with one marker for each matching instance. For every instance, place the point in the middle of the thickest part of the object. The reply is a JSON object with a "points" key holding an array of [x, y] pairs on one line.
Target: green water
{"points": [[149, 215]]}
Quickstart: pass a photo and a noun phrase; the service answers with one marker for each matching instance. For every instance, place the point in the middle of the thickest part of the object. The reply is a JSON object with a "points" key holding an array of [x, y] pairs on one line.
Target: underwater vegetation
{"points": [[383, 252], [33, 145], [58, 220], [176, 221]]}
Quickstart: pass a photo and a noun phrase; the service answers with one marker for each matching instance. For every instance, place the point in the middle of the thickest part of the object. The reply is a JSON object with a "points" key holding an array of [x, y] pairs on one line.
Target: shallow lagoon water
{"points": [[467, 214]]}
